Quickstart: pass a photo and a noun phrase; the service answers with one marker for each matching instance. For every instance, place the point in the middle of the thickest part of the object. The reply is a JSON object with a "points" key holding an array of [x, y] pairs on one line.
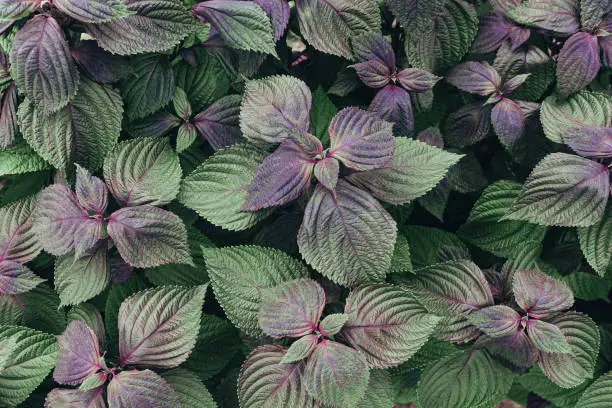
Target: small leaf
{"points": [[189, 389], [540, 295], [373, 73], [278, 11], [91, 316], [578, 63], [300, 349], [323, 110], [219, 123], [327, 171], [468, 125], [18, 240], [150, 87], [596, 243], [16, 278], [373, 46], [133, 388], [181, 104], [185, 137], [478, 78], [558, 16], [547, 337], [8, 117], [392, 103], [62, 398], [79, 354], [417, 80], [99, 11], [496, 321], [91, 191], [508, 122], [333, 323], [103, 67], [598, 393]]}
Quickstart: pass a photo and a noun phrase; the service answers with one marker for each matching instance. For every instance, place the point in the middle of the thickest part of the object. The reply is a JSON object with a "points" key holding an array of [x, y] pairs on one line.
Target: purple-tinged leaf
{"points": [[373, 73], [78, 356], [18, 240], [590, 141], [92, 317], [265, 382], [148, 236], [8, 117], [417, 80], [103, 67], [300, 349], [17, 9], [557, 16], [119, 269], [386, 324], [275, 107], [16, 278], [332, 324], [496, 321], [514, 83], [494, 28], [540, 295], [138, 389], [62, 224], [508, 122], [158, 327], [432, 136], [371, 45], [517, 348], [478, 78], [547, 337], [592, 13], [278, 12], [605, 43], [94, 381], [291, 309], [336, 375], [181, 104], [578, 63], [155, 125], [326, 172], [360, 140], [219, 124], [347, 235], [42, 66], [93, 11], [392, 103], [505, 5], [69, 398], [91, 191], [186, 135], [468, 125]]}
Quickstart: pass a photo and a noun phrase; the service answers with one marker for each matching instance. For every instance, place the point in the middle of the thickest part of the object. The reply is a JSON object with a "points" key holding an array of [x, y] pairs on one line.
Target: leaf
{"points": [[478, 78], [16, 278], [91, 192], [485, 227], [150, 87], [386, 324], [578, 63], [16, 9], [494, 29], [300, 349], [78, 279], [63, 398], [586, 286], [42, 66], [333, 323], [219, 123], [563, 190], [158, 327], [360, 140], [239, 275], [401, 261], [32, 360], [380, 392], [244, 26], [558, 16], [496, 321], [336, 374], [323, 110], [582, 108], [79, 354], [278, 11], [598, 393], [8, 117], [414, 169], [134, 388], [185, 137], [265, 382], [537, 382], [217, 189], [509, 123], [468, 125], [143, 171], [347, 235], [99, 11], [157, 25], [18, 241], [429, 246], [148, 236], [596, 243], [274, 107], [101, 66], [20, 159], [581, 333], [540, 295], [547, 337], [464, 380], [329, 25], [91, 316], [326, 172], [190, 390], [590, 141], [374, 73]]}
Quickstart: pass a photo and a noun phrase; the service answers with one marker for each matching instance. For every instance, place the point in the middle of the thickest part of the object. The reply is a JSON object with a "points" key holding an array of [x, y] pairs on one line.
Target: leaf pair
{"points": [[495, 29]]}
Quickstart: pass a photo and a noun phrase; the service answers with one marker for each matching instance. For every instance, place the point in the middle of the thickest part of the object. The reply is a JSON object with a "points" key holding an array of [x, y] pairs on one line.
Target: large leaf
{"points": [[564, 190], [19, 159], [150, 87], [240, 274], [414, 169], [468, 125], [386, 324], [32, 359], [596, 243], [18, 241], [347, 235], [79, 354], [590, 141], [329, 25], [143, 171], [16, 278], [540, 295], [102, 66], [219, 123], [42, 66], [159, 327], [539, 384], [578, 63], [98, 11], [156, 26], [598, 393], [429, 246], [148, 236], [189, 389], [217, 189], [557, 16], [135, 389]]}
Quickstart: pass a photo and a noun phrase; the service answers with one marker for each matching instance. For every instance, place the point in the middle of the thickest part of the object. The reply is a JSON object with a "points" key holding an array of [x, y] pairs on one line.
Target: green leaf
{"points": [[557, 16], [323, 110], [143, 171], [536, 382], [547, 337], [485, 229], [19, 159], [300, 349], [379, 393], [429, 246], [18, 238], [217, 189], [150, 87], [97, 11], [596, 243], [189, 388], [32, 359], [41, 310], [401, 261], [598, 394], [238, 275], [563, 190], [185, 137], [588, 287], [465, 379], [333, 323]]}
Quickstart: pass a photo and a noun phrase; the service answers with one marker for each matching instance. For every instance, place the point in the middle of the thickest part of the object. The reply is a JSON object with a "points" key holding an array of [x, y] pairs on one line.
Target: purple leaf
{"points": [[158, 327], [278, 11], [605, 43], [17, 9], [592, 13], [468, 125], [432, 136], [103, 67], [360, 140], [516, 348], [18, 240], [590, 141], [417, 80], [8, 116], [370, 45], [78, 356], [478, 78], [119, 269], [494, 28], [513, 83], [275, 107], [578, 63], [547, 337], [558, 16], [539, 295], [496, 321], [91, 191], [508, 122], [392, 104], [148, 236], [219, 124], [42, 66], [138, 389], [16, 278], [63, 224], [326, 172], [373, 73], [67, 398], [155, 125], [291, 309]]}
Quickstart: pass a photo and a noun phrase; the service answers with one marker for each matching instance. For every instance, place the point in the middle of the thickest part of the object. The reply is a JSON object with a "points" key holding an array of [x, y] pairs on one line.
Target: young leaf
{"points": [[103, 67], [392, 103], [148, 236], [134, 389], [540, 295], [478, 78], [373, 73], [596, 243], [323, 110], [91, 191], [547, 337], [300, 349], [496, 321], [143, 172], [91, 316], [386, 324], [62, 398], [333, 323], [417, 80], [508, 122], [347, 235], [42, 66], [598, 393], [578, 63], [590, 141], [18, 241], [8, 117], [158, 327], [16, 278], [189, 389], [494, 29], [327, 171], [150, 87], [373, 46], [468, 125], [240, 274], [98, 11], [219, 123], [79, 354]]}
